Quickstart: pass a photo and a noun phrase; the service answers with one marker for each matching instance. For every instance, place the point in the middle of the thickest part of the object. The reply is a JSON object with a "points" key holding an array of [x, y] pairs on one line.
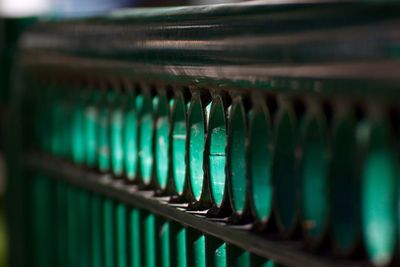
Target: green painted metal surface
{"points": [[343, 185], [257, 261], [163, 242], [237, 257], [121, 235], [96, 230], [162, 141], [215, 252], [312, 146], [78, 128], [91, 128], [197, 131], [268, 156], [58, 110], [178, 245], [237, 156], [195, 248], [44, 123], [116, 135], [135, 237], [217, 150], [72, 224], [179, 117], [109, 256], [61, 224], [379, 185], [315, 184], [103, 150], [84, 225], [145, 109], [148, 239], [260, 158], [285, 176], [91, 230], [131, 137], [41, 223]]}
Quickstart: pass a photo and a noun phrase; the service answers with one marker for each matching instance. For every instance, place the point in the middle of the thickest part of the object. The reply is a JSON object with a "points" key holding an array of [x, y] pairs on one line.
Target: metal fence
{"points": [[232, 135]]}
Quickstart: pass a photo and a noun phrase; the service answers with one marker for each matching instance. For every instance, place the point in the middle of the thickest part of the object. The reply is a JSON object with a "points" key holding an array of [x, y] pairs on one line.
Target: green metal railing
{"points": [[232, 135]]}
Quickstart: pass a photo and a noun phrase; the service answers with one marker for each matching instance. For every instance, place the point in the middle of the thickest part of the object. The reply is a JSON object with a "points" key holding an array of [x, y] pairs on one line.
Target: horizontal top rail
{"points": [[285, 45], [285, 252]]}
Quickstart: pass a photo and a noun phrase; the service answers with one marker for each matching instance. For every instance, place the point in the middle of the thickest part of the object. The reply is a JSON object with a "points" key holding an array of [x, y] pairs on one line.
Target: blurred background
{"points": [[74, 8]]}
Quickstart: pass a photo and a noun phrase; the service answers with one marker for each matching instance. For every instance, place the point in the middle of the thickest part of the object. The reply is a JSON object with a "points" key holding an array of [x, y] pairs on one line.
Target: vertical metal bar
{"points": [[237, 257], [162, 141], [198, 113], [108, 232], [146, 133], [51, 226], [135, 237], [57, 117], [78, 129], [178, 245], [216, 150], [257, 261], [116, 134], [61, 222], [314, 177], [96, 230], [162, 242], [84, 231], [178, 145], [237, 156], [195, 248], [42, 222], [215, 252], [79, 246], [103, 149], [121, 236], [260, 158], [66, 125], [344, 191], [91, 117], [131, 148], [44, 120], [148, 239], [379, 188], [71, 225], [285, 176]]}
